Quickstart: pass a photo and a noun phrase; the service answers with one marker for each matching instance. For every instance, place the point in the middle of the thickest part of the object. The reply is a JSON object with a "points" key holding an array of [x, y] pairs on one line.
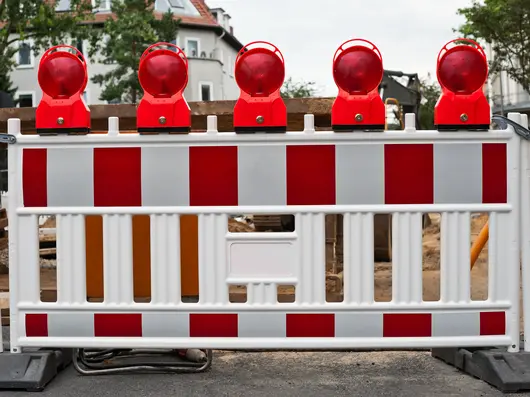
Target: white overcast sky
{"points": [[409, 33]]}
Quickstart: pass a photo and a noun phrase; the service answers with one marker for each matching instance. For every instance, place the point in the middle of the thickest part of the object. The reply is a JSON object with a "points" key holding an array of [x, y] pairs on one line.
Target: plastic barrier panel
{"points": [[306, 173], [165, 173]]}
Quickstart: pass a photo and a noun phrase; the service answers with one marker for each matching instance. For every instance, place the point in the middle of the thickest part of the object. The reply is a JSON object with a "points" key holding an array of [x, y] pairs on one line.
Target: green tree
{"points": [[38, 21], [292, 89], [134, 28], [505, 24], [430, 93]]}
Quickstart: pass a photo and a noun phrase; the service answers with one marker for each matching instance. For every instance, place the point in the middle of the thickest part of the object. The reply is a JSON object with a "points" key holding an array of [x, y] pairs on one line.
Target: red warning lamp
{"points": [[358, 72], [163, 74], [63, 78], [260, 72], [462, 72]]}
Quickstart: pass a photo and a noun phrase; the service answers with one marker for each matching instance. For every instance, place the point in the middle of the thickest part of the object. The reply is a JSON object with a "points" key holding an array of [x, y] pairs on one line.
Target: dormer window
{"points": [[178, 7], [176, 3], [101, 5]]}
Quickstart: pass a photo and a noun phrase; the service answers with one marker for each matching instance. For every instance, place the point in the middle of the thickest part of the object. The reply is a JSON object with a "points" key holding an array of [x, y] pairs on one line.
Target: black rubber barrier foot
{"points": [[32, 371], [508, 372]]}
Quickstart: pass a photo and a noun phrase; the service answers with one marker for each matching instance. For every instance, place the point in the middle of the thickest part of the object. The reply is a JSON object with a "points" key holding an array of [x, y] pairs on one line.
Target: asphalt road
{"points": [[269, 374]]}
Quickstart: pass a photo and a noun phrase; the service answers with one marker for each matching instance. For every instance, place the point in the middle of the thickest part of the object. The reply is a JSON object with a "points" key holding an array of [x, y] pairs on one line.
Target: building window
{"points": [[25, 99], [176, 3], [101, 5], [205, 91], [24, 55], [62, 5], [177, 7], [192, 47]]}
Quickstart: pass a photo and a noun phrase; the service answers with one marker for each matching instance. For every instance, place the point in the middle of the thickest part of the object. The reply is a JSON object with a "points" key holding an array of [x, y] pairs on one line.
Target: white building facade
{"points": [[205, 35], [505, 94]]}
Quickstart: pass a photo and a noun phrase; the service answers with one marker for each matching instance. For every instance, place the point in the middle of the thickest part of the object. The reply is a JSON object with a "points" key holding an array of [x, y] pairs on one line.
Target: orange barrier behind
{"points": [[189, 251]]}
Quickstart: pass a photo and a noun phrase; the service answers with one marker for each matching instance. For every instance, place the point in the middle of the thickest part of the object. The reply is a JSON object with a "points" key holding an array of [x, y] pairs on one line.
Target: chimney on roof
{"points": [[226, 22], [232, 30], [218, 14], [222, 18]]}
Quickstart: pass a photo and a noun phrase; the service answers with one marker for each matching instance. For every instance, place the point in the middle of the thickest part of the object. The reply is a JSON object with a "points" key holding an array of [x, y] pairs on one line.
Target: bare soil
{"points": [[49, 223], [431, 265]]}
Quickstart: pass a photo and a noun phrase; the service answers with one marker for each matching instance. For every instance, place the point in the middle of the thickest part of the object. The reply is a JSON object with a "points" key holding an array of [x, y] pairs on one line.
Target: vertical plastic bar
{"points": [[117, 259], [509, 226], [211, 125], [311, 259], [407, 250], [455, 276], [500, 257], [213, 288], [525, 232], [14, 171], [28, 259], [260, 293], [358, 257], [114, 126], [309, 123], [71, 259], [410, 122], [492, 257], [165, 259]]}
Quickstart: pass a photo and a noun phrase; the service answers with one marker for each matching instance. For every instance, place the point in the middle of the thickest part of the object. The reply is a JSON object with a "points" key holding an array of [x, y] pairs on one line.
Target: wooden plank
{"points": [[48, 280], [5, 317], [47, 251], [4, 300], [296, 109], [47, 237]]}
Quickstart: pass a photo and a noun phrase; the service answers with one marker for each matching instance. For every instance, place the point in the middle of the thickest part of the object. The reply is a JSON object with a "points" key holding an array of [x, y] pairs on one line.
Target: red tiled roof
{"points": [[204, 10], [206, 17]]}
